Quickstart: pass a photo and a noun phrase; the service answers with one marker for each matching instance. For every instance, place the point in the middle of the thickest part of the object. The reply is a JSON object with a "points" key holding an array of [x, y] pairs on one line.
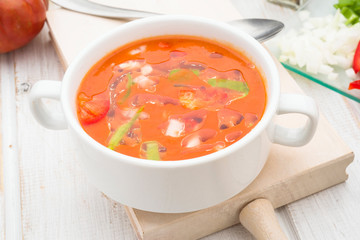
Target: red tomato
{"points": [[20, 22], [93, 110]]}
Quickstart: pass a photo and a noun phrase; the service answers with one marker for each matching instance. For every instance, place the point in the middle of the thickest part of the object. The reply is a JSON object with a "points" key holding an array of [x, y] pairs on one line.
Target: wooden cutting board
{"points": [[289, 174]]}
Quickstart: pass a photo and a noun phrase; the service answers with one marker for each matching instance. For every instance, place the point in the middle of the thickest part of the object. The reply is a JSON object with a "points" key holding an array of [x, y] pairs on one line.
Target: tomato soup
{"points": [[171, 98]]}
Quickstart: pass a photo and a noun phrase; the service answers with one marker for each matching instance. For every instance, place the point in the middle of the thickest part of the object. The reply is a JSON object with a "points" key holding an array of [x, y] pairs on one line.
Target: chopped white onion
{"points": [[138, 50], [143, 81], [351, 73], [175, 128], [130, 113], [332, 76], [321, 44], [146, 70], [130, 65], [193, 142]]}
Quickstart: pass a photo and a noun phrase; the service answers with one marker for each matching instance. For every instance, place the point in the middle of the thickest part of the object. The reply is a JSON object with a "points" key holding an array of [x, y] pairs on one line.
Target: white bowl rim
{"points": [[270, 110]]}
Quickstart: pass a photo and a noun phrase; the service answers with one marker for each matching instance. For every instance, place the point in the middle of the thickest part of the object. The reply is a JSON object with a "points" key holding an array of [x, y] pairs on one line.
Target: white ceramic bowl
{"points": [[175, 186]]}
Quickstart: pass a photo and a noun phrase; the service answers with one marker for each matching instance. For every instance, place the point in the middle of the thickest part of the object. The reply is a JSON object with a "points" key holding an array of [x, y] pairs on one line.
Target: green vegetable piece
{"points": [[230, 84], [174, 71], [183, 75], [128, 89], [152, 150], [350, 9], [350, 15], [343, 3], [122, 130], [195, 71]]}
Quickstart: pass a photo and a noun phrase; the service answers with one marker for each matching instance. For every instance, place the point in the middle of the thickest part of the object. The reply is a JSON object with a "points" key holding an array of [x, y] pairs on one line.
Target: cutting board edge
{"points": [[55, 44], [177, 230], [136, 226]]}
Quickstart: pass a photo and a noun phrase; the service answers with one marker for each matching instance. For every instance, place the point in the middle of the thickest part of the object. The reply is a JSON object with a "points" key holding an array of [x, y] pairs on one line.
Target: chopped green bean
{"points": [[123, 129], [152, 150], [128, 88]]}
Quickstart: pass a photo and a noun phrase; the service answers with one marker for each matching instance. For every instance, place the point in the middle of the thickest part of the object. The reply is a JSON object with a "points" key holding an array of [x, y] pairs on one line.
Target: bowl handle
{"points": [[51, 90], [296, 137]]}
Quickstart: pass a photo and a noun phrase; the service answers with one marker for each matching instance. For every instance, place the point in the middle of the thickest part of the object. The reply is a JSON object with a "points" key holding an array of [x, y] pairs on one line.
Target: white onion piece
{"points": [[145, 83], [138, 50], [130, 112], [351, 73], [175, 128], [193, 142], [146, 70], [321, 44], [130, 65]]}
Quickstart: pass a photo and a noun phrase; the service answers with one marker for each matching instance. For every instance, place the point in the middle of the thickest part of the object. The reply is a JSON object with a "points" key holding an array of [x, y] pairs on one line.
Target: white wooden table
{"points": [[57, 202]]}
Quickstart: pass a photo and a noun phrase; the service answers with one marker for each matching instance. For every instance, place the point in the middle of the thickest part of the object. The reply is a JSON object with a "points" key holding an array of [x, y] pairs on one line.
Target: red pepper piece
{"points": [[354, 85], [356, 61], [91, 111]]}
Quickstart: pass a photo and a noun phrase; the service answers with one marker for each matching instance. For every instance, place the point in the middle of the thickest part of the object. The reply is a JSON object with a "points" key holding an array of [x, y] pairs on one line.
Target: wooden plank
{"points": [[2, 197], [11, 176], [333, 213], [57, 202]]}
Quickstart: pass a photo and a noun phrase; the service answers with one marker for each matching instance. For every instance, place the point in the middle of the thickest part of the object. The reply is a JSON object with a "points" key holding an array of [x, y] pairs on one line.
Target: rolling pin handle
{"points": [[258, 217]]}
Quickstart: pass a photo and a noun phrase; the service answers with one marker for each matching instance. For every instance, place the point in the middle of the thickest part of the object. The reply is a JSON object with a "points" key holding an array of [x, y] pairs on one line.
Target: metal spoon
{"points": [[260, 29]]}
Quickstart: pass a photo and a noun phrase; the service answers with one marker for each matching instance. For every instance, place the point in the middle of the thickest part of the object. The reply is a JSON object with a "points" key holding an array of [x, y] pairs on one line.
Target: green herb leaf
{"points": [[152, 150], [230, 84], [123, 129]]}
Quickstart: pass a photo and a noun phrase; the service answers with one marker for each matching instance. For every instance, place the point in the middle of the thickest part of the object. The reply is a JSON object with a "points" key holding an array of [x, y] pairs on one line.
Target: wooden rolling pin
{"points": [[258, 217]]}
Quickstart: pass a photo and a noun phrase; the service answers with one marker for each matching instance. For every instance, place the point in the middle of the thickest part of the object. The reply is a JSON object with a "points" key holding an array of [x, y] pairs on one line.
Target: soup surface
{"points": [[171, 98]]}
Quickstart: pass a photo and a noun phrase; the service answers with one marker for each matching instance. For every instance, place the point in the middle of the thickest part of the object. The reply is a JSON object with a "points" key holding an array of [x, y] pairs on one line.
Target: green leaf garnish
{"points": [[122, 130], [230, 84]]}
